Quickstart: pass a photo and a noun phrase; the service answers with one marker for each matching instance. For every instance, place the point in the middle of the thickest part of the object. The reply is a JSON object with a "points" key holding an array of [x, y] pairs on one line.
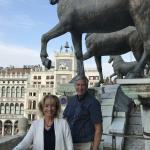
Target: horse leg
{"points": [[140, 14], [99, 68], [112, 75], [58, 30], [77, 42], [138, 68]]}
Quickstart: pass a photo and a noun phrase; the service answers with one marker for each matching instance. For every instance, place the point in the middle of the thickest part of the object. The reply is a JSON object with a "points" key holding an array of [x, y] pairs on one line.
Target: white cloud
{"points": [[17, 21], [18, 55]]}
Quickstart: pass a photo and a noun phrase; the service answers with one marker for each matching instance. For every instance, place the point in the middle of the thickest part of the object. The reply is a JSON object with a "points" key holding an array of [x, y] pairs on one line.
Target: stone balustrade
{"points": [[9, 142]]}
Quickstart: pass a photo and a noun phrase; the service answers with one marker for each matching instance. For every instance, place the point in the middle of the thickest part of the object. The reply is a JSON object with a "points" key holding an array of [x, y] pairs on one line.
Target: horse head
{"points": [[87, 35], [110, 59], [53, 2]]}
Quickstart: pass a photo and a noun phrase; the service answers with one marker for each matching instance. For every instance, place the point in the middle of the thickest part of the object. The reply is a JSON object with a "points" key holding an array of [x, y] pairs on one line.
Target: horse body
{"points": [[114, 43], [121, 68], [85, 16], [96, 15]]}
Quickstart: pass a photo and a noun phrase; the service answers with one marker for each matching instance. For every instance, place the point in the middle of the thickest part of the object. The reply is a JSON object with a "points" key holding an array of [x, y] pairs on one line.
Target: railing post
{"points": [[113, 142]]}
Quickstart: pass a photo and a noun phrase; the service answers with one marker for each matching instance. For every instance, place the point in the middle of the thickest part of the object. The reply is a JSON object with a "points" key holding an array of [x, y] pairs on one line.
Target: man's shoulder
{"points": [[72, 98], [90, 97]]}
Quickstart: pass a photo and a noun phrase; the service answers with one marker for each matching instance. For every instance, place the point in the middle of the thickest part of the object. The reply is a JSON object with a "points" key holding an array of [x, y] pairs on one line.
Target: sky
{"points": [[22, 23]]}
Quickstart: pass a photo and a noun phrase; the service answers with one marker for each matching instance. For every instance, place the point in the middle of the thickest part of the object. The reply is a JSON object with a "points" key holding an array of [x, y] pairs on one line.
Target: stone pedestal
{"points": [[139, 91]]}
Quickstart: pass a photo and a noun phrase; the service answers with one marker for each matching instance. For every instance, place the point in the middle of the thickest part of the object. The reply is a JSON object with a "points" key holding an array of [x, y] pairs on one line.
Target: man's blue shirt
{"points": [[81, 116]]}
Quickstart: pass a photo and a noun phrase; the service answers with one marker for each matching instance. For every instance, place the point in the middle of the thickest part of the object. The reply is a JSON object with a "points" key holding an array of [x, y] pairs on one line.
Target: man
{"points": [[84, 116]]}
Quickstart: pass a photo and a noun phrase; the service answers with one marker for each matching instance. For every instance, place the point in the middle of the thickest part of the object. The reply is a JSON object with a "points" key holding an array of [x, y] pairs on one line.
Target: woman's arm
{"points": [[27, 140], [68, 137]]}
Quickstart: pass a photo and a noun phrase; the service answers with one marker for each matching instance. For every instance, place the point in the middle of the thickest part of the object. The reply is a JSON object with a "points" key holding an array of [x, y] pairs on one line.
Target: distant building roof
{"points": [[15, 70]]}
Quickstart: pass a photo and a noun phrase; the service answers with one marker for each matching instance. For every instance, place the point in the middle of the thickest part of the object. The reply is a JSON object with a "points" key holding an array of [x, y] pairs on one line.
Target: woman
{"points": [[49, 133]]}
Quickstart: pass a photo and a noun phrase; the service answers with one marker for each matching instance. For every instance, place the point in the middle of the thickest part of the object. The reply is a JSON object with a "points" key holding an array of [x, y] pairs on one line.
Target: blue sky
{"points": [[22, 22]]}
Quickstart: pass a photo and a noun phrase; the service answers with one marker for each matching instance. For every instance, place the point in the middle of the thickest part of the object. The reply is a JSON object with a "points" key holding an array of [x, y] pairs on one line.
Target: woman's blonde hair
{"points": [[54, 99]]}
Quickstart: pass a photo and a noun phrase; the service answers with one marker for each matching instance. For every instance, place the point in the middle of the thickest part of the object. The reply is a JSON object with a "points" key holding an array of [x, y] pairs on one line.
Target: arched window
{"points": [[0, 127], [22, 91], [29, 117], [12, 109], [17, 111], [17, 92], [7, 108], [8, 127], [21, 109], [8, 92], [34, 104], [3, 91], [33, 116], [13, 92], [2, 108], [29, 104]]}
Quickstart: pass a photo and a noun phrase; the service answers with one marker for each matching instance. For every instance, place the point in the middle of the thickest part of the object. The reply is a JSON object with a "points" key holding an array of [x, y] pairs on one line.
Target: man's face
{"points": [[81, 87]]}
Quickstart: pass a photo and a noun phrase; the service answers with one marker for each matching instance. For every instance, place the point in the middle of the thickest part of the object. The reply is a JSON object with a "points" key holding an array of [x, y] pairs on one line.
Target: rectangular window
{"points": [[44, 94], [47, 77], [39, 77], [35, 77], [52, 77]]}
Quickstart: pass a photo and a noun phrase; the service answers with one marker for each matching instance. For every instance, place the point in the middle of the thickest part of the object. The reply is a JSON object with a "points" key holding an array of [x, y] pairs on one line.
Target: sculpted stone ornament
{"points": [[103, 16]]}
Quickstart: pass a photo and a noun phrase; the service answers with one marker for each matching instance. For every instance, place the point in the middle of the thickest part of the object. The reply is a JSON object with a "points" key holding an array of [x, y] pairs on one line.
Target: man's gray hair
{"points": [[82, 78]]}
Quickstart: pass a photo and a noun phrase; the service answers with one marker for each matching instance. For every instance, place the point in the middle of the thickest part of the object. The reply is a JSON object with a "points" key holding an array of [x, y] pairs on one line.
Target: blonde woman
{"points": [[50, 132]]}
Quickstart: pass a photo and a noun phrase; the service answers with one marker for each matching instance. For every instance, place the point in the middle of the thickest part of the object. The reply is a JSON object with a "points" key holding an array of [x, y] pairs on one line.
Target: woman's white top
{"points": [[63, 139]]}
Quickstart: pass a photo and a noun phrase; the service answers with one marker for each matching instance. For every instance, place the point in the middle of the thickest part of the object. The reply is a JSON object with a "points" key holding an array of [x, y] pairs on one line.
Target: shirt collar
{"points": [[82, 97]]}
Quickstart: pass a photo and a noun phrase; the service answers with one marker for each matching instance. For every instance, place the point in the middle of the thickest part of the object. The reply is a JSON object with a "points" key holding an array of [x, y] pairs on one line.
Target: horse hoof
{"points": [[132, 75], [47, 63], [73, 79]]}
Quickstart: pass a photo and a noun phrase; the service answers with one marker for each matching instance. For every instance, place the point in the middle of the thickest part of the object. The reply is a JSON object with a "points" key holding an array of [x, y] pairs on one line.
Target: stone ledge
{"points": [[133, 81]]}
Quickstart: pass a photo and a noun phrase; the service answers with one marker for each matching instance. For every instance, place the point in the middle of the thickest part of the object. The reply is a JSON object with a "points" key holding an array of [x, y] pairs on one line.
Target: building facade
{"points": [[13, 85]]}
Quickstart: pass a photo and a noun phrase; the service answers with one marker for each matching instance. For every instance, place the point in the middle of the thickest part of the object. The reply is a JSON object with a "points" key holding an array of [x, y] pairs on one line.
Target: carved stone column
{"points": [[2, 128], [12, 132]]}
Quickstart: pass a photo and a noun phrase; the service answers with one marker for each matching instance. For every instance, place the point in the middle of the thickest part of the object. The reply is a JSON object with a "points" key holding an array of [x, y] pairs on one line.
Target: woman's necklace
{"points": [[48, 125]]}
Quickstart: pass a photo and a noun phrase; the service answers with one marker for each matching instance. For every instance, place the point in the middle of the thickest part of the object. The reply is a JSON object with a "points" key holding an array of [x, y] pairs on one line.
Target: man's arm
{"points": [[97, 136]]}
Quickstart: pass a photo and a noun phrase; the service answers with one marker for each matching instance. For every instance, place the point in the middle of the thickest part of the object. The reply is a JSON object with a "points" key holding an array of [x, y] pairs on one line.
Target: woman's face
{"points": [[49, 108]]}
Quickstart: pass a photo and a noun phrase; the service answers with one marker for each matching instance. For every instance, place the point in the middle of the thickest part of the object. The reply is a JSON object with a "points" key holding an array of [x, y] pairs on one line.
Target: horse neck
{"points": [[117, 59]]}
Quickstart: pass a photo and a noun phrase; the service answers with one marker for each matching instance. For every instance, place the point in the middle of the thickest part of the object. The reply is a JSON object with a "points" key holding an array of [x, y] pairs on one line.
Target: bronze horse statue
{"points": [[114, 43], [103, 16], [120, 67]]}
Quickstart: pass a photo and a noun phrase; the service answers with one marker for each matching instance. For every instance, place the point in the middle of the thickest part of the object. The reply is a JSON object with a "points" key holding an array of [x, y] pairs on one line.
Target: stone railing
{"points": [[9, 142]]}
